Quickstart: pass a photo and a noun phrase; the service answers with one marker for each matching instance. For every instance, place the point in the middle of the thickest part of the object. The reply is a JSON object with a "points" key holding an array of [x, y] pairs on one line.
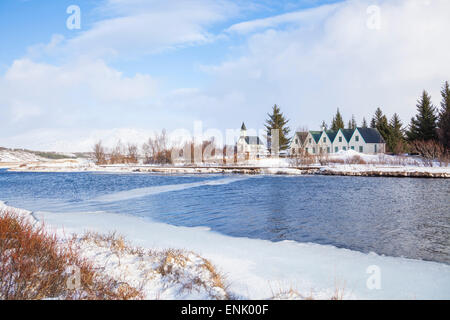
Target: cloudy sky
{"points": [[135, 66]]}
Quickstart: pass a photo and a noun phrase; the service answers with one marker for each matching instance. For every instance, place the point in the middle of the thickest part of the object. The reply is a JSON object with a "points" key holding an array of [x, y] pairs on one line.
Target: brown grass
{"points": [[35, 265], [170, 264]]}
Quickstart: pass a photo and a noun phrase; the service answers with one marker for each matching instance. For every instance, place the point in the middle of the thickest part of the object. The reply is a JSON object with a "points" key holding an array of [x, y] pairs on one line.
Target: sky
{"points": [[134, 67]]}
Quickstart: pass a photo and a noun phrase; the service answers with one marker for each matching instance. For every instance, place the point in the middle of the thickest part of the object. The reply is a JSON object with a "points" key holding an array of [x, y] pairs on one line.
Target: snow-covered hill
{"points": [[8, 155]]}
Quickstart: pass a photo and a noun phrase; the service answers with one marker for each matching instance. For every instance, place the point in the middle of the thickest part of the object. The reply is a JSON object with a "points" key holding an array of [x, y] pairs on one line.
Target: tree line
{"points": [[428, 132]]}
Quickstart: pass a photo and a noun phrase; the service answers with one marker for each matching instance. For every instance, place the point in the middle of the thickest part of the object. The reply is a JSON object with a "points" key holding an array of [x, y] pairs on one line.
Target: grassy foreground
{"points": [[36, 264]]}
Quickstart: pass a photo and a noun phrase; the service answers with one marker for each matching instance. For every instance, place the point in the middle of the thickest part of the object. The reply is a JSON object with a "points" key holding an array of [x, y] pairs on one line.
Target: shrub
{"points": [[35, 265], [430, 150]]}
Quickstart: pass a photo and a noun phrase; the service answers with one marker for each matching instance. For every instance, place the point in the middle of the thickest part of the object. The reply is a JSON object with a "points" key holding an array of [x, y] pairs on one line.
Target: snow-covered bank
{"points": [[137, 272], [259, 269], [342, 163], [16, 156], [385, 171]]}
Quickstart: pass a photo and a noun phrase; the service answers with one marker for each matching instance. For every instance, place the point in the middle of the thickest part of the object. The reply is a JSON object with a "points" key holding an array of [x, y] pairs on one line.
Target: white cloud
{"points": [[38, 95], [140, 27], [75, 140], [298, 18], [309, 62], [337, 61]]}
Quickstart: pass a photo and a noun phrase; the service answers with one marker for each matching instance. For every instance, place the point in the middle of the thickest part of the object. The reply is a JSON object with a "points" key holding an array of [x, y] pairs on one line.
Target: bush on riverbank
{"points": [[35, 265]]}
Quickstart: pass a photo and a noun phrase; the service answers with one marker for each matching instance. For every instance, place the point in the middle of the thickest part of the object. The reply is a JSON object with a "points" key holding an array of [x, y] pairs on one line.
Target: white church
{"points": [[249, 146]]}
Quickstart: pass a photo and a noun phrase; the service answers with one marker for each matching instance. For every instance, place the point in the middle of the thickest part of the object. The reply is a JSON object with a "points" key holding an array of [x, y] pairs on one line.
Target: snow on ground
{"points": [[165, 274], [7, 155], [259, 269], [158, 274], [344, 162], [60, 165], [269, 162]]}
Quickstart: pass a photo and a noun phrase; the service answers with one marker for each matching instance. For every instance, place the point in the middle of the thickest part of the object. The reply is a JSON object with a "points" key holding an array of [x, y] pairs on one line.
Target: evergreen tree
{"points": [[423, 126], [338, 122], [376, 120], [364, 123], [380, 122], [349, 124], [278, 121], [444, 117], [353, 123], [395, 140]]}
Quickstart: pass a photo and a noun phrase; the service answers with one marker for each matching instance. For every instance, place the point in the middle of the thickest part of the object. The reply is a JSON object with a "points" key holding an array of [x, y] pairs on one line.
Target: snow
{"points": [[259, 269], [269, 162], [141, 269], [7, 155], [347, 162]]}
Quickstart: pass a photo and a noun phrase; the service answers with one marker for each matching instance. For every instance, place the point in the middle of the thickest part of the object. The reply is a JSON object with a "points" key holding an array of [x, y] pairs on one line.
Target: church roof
{"points": [[243, 127], [253, 140]]}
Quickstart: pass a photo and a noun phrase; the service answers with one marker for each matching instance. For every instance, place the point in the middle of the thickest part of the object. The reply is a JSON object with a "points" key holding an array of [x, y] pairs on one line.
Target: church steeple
{"points": [[243, 130]]}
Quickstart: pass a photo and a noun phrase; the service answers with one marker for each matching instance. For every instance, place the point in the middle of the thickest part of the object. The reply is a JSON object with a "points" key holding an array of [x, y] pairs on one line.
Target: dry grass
{"points": [[35, 265], [290, 292], [339, 290], [173, 263], [183, 269], [116, 243]]}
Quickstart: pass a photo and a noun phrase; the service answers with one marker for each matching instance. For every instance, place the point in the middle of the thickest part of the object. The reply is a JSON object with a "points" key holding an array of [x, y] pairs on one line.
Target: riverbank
{"points": [[348, 163], [253, 269], [335, 169]]}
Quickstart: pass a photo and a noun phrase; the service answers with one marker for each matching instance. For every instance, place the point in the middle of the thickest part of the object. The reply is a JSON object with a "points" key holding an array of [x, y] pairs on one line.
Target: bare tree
{"points": [[133, 155], [156, 150], [118, 154], [430, 150], [99, 153]]}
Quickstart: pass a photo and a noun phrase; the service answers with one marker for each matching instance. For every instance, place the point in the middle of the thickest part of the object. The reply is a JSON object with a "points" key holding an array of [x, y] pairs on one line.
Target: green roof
{"points": [[316, 135], [369, 135], [331, 135], [348, 133]]}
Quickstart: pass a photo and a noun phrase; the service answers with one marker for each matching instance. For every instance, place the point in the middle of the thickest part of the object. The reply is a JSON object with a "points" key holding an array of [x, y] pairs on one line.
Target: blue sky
{"points": [[141, 65]]}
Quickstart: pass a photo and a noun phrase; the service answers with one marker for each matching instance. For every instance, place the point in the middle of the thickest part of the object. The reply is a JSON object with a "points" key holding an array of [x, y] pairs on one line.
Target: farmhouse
{"points": [[363, 140], [249, 146]]}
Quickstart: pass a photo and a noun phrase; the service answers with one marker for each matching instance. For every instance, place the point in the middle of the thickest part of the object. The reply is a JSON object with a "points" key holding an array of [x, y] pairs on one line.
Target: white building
{"points": [[250, 147], [363, 140]]}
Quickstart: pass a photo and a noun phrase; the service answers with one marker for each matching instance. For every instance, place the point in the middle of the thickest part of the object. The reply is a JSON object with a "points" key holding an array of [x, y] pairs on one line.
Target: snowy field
{"points": [[10, 156], [344, 162], [254, 269]]}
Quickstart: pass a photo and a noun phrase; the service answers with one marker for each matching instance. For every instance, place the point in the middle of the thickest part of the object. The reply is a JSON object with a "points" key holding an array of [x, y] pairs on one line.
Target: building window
{"points": [[361, 149], [356, 138], [296, 141], [310, 140], [328, 150], [336, 149], [353, 147], [324, 140], [314, 150], [375, 148], [340, 139], [344, 148]]}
